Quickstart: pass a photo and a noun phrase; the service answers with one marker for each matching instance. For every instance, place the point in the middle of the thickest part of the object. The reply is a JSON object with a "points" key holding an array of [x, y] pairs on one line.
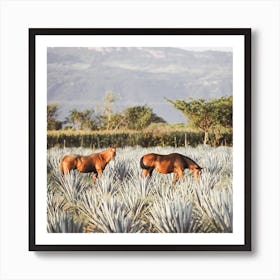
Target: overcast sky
{"points": [[202, 49]]}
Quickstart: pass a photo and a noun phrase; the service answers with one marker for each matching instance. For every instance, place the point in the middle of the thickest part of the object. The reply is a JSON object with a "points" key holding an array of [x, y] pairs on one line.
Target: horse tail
{"points": [[142, 165]]}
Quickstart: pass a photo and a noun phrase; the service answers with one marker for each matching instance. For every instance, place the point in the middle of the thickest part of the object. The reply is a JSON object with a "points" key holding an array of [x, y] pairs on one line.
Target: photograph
{"points": [[139, 139]]}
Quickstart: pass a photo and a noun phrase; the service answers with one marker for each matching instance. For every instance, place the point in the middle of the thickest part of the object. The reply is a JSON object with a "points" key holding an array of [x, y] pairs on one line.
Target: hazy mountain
{"points": [[80, 77]]}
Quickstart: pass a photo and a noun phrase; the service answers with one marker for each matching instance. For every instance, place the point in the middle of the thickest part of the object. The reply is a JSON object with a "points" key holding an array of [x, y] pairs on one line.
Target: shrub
{"points": [[123, 139]]}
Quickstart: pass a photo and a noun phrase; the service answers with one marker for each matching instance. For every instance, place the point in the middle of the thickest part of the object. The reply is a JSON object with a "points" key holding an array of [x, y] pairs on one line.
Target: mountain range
{"points": [[81, 77]]}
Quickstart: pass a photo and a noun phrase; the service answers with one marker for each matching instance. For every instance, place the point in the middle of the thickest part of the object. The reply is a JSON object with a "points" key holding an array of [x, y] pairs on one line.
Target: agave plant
{"points": [[61, 222], [107, 214], [213, 210], [58, 220], [136, 204], [107, 184], [122, 170], [123, 201], [71, 185], [171, 216]]}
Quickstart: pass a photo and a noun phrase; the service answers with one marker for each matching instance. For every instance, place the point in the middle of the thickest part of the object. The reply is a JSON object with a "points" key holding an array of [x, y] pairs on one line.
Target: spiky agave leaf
{"points": [[213, 210], [136, 205], [62, 222], [71, 185], [55, 202], [172, 216], [107, 214], [107, 185], [127, 199]]}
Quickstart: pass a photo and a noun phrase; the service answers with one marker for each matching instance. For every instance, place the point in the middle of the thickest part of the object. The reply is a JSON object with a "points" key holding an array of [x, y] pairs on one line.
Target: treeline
{"points": [[135, 117], [134, 138], [210, 121]]}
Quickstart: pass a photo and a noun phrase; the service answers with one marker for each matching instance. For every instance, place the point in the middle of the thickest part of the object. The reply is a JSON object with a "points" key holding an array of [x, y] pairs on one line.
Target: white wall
{"points": [[17, 262]]}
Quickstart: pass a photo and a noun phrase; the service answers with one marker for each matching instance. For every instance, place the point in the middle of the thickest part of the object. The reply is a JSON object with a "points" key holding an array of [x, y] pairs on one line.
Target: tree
{"points": [[52, 122], [223, 111], [139, 117], [82, 120], [206, 115], [109, 100], [108, 117], [117, 121], [157, 119]]}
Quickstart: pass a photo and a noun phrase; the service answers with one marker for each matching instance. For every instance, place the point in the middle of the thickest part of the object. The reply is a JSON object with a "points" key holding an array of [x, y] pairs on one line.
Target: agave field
{"points": [[124, 202]]}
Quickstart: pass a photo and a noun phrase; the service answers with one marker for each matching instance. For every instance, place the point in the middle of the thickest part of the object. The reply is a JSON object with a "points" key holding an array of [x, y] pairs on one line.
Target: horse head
{"points": [[197, 172], [112, 151]]}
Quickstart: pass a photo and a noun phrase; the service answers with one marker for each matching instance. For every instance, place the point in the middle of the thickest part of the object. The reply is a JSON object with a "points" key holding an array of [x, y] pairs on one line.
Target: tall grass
{"points": [[123, 201]]}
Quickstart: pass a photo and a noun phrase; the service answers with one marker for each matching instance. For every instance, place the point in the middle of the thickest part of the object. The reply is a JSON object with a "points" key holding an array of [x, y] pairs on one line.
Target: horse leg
{"points": [[99, 173], [181, 175], [147, 172], [63, 168], [196, 173], [94, 178], [64, 171], [178, 174], [175, 178]]}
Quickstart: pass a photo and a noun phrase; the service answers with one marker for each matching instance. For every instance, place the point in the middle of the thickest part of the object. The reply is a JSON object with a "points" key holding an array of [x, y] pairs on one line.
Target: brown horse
{"points": [[95, 162], [171, 163]]}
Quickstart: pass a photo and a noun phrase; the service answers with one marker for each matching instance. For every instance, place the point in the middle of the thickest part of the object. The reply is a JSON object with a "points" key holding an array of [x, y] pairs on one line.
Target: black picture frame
{"points": [[245, 32]]}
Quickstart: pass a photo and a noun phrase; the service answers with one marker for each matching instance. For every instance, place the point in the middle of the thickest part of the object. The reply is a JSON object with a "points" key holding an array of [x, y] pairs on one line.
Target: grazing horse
{"points": [[164, 164], [95, 162]]}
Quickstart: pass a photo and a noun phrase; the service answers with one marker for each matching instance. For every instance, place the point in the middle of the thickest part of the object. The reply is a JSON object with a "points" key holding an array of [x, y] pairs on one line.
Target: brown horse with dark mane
{"points": [[95, 162], [171, 163]]}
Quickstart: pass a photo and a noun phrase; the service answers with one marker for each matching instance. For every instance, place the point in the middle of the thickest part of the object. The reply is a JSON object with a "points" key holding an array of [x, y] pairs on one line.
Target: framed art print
{"points": [[140, 139]]}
